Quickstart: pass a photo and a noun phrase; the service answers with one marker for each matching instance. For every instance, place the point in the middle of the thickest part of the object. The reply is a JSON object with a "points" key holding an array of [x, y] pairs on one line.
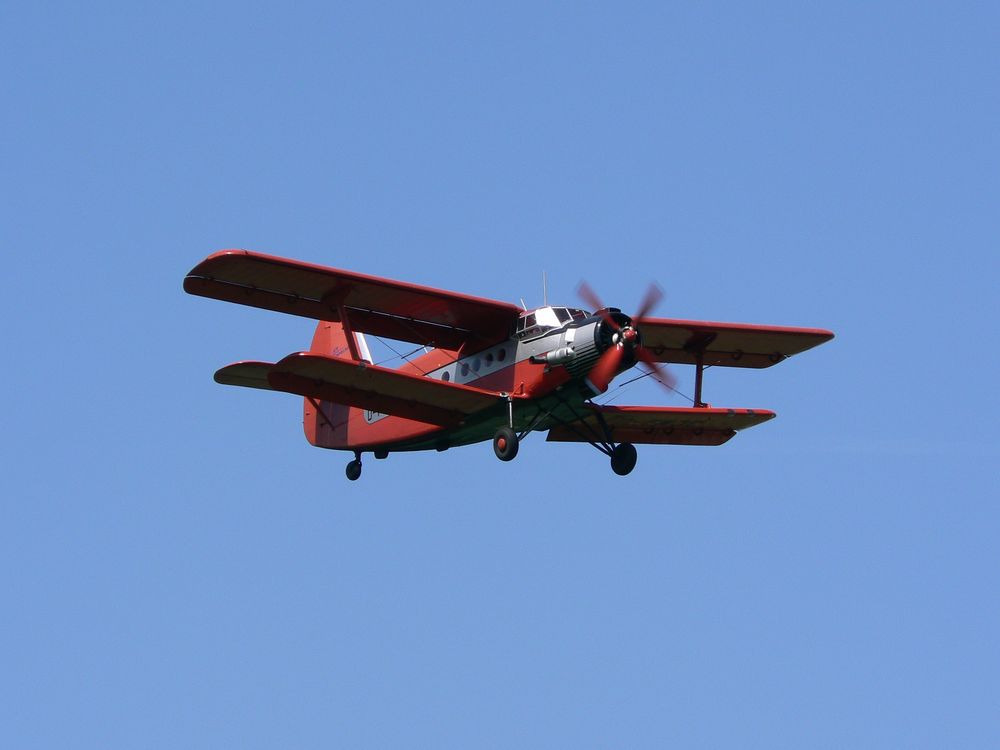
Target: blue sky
{"points": [[180, 568]]}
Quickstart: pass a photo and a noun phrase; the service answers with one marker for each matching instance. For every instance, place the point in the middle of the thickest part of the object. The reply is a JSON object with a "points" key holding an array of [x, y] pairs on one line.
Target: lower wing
{"points": [[661, 425], [365, 386]]}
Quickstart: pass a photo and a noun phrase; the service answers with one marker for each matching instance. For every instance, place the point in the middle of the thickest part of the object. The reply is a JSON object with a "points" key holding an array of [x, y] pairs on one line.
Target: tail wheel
{"points": [[623, 458], [353, 470], [505, 443]]}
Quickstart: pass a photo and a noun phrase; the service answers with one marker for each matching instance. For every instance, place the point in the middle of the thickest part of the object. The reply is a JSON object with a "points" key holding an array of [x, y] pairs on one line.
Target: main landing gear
{"points": [[505, 443], [593, 428], [353, 469], [505, 440], [623, 458], [623, 455]]}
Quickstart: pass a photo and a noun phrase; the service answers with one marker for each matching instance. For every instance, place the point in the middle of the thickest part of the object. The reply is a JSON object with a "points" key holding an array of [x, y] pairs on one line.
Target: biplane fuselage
{"points": [[537, 392], [489, 369]]}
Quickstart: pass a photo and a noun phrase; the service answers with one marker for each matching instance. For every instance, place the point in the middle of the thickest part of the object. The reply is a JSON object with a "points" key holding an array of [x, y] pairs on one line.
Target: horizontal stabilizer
{"points": [[660, 425], [726, 344]]}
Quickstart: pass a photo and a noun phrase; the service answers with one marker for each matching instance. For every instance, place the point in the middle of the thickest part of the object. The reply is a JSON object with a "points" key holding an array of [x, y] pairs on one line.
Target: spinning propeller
{"points": [[625, 340]]}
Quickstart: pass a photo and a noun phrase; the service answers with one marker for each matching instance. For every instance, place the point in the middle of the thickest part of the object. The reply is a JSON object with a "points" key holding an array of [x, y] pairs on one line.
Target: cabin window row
{"points": [[477, 363]]}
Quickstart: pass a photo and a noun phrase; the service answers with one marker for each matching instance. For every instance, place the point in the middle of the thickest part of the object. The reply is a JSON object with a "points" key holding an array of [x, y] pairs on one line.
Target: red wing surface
{"points": [[246, 374], [365, 386], [393, 309], [661, 425], [726, 344]]}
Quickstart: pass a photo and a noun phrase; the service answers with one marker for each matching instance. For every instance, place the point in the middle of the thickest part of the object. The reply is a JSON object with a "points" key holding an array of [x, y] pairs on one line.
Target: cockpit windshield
{"points": [[545, 319]]}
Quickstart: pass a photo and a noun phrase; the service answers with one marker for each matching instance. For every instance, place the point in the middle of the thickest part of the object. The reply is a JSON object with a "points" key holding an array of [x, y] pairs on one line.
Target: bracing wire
{"points": [[404, 357], [648, 373]]}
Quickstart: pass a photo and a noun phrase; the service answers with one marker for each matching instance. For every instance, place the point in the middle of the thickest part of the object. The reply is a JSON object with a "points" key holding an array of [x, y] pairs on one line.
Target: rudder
{"points": [[326, 427]]}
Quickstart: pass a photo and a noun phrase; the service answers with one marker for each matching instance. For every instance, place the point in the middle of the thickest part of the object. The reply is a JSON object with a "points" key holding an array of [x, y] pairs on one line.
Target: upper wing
{"points": [[663, 425], [382, 307], [726, 344], [359, 384]]}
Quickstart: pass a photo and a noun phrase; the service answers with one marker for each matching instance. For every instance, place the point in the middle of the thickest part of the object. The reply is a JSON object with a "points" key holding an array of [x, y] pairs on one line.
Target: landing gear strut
{"points": [[505, 443], [623, 455], [353, 469]]}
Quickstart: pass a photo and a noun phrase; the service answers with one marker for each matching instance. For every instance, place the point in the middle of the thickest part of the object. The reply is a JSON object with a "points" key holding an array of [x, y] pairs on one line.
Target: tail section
{"points": [[325, 423]]}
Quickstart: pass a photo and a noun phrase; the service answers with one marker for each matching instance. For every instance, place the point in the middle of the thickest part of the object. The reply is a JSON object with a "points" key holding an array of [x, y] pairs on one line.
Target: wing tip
{"points": [[198, 271], [246, 373]]}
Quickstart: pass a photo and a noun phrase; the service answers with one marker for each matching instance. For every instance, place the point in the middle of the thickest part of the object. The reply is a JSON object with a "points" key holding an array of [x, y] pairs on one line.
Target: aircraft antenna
{"points": [[545, 292], [524, 305]]}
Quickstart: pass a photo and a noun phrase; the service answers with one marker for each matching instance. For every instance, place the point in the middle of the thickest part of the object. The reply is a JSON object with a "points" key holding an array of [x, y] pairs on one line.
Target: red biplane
{"points": [[492, 369]]}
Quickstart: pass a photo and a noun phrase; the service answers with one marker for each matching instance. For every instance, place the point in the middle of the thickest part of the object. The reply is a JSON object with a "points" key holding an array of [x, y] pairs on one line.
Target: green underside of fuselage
{"points": [[535, 415]]}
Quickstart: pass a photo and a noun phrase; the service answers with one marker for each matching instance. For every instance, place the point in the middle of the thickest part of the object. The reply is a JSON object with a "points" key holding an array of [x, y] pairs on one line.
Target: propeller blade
{"points": [[661, 374], [653, 296], [606, 368], [589, 296]]}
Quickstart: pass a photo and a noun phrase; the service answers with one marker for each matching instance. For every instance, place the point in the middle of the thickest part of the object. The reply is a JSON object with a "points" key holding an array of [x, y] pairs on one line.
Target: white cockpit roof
{"points": [[547, 318]]}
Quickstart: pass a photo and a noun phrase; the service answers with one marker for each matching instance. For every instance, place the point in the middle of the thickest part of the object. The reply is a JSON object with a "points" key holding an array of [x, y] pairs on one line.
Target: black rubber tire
{"points": [[505, 444], [353, 470], [623, 459]]}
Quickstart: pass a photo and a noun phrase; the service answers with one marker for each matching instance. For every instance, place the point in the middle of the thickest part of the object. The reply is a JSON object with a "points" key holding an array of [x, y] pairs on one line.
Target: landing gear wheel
{"points": [[505, 443], [353, 470], [623, 458]]}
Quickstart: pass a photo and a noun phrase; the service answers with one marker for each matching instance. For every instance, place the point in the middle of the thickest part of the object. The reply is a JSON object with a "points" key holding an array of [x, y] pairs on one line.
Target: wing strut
{"points": [[352, 342], [697, 346]]}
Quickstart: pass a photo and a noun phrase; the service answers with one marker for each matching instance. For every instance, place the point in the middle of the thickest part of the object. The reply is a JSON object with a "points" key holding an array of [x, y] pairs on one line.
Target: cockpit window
{"points": [[545, 319]]}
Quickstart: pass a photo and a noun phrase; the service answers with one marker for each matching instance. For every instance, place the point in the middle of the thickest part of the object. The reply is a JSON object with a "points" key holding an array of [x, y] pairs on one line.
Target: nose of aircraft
{"points": [[625, 340]]}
